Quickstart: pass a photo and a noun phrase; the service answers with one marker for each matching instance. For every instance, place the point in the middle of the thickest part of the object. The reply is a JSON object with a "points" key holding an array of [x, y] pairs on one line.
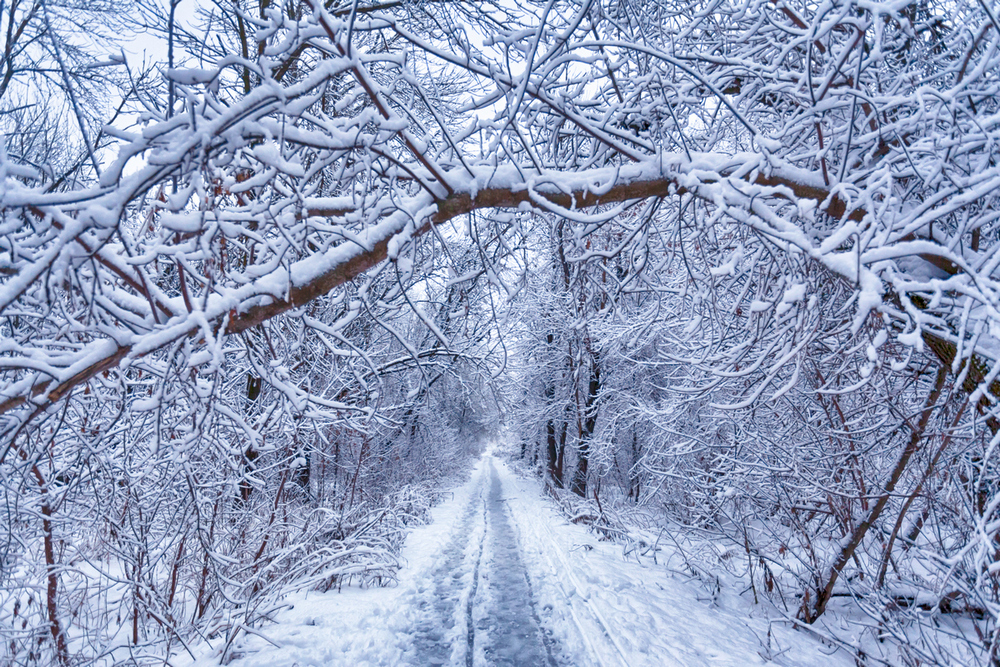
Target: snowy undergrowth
{"points": [[353, 624], [197, 607], [900, 627], [606, 605], [593, 607]]}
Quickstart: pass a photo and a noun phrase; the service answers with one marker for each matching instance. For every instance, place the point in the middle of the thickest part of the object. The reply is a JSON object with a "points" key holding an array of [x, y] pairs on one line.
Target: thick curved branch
{"points": [[349, 261]]}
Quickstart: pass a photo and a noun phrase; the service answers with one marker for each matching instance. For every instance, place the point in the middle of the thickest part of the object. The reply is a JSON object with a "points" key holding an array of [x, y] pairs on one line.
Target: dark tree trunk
{"points": [[825, 589], [52, 590], [561, 452], [302, 473], [52, 572], [254, 385], [589, 425], [553, 452]]}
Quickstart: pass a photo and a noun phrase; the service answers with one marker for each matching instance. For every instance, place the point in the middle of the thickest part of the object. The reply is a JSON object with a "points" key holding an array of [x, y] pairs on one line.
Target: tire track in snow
{"points": [[512, 635], [481, 581], [435, 638], [603, 647], [470, 648], [575, 592]]}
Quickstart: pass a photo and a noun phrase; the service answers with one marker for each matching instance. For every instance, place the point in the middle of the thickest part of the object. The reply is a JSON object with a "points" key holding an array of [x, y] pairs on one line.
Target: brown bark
{"points": [[945, 441], [978, 370], [174, 571], [449, 207], [589, 425], [824, 591], [52, 575], [204, 596]]}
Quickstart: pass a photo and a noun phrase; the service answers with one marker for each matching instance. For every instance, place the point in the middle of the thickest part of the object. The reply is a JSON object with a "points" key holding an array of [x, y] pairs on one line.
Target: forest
{"points": [[718, 273]]}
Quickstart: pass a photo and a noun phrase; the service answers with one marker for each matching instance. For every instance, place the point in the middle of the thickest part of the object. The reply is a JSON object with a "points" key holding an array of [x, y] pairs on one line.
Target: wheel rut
{"points": [[509, 625], [482, 583], [435, 638]]}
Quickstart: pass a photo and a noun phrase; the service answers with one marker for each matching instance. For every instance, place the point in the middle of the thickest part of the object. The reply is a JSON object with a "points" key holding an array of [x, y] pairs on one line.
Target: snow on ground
{"points": [[605, 610], [501, 578]]}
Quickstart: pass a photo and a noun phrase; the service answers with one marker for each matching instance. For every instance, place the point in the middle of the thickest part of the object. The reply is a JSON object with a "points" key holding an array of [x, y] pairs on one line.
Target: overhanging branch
{"points": [[448, 208]]}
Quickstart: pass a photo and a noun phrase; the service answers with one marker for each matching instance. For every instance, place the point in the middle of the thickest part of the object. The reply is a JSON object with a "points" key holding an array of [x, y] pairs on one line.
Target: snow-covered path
{"points": [[500, 578], [501, 623]]}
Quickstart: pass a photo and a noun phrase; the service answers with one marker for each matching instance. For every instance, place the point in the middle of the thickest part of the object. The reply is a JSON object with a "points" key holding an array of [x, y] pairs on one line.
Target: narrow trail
{"points": [[500, 578], [513, 632], [431, 637], [483, 584]]}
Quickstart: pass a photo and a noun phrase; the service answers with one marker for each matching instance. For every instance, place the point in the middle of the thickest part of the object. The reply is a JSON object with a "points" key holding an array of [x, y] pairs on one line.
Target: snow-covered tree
{"points": [[232, 291]]}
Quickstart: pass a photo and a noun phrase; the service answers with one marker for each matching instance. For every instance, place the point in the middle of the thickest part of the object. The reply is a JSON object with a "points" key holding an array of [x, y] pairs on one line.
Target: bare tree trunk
{"points": [[589, 424], [552, 449], [52, 583], [634, 480], [254, 385], [552, 452], [561, 451], [945, 441]]}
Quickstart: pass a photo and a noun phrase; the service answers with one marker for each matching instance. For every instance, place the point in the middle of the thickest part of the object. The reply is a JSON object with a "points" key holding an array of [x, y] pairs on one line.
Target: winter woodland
{"points": [[722, 273]]}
